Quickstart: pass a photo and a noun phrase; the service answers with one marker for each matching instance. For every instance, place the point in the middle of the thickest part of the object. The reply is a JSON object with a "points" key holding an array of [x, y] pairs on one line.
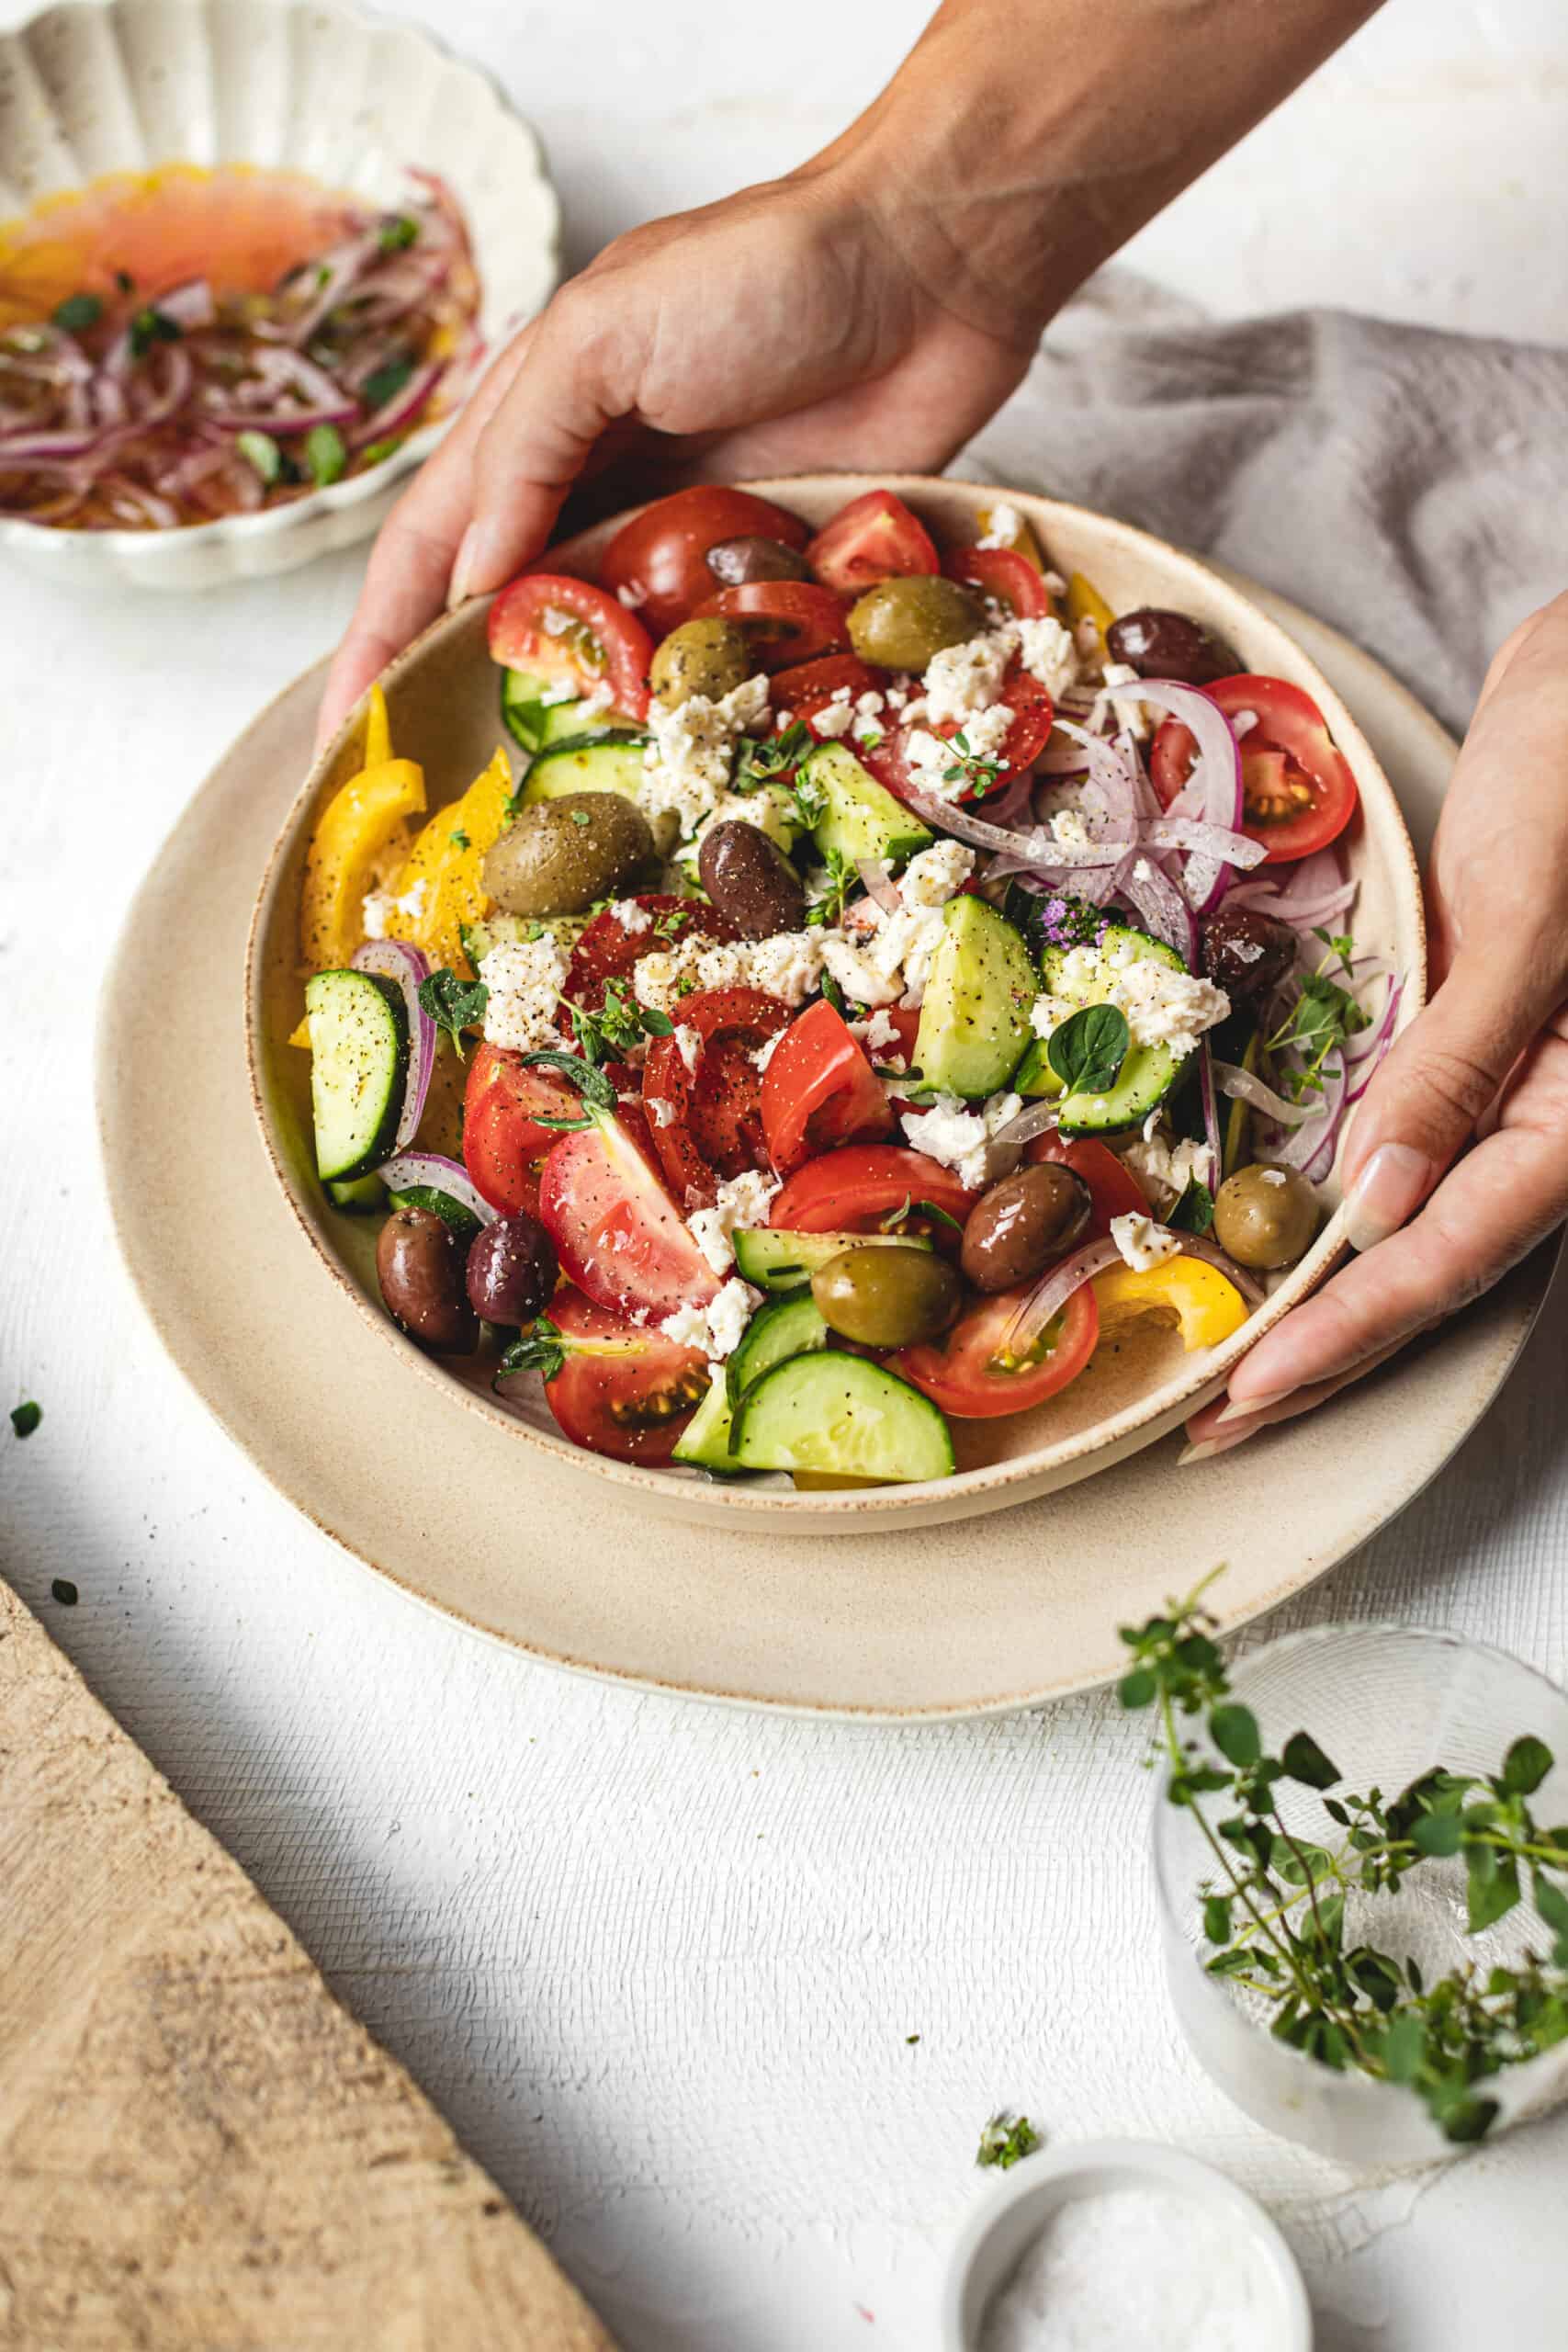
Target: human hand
{"points": [[1435, 1224]]}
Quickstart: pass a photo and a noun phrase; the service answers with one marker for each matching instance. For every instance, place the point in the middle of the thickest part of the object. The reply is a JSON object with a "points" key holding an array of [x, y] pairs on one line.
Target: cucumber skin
{"points": [[862, 817], [795, 1402], [781, 1328], [778, 1260], [610, 762], [533, 723], [704, 1443], [319, 996], [973, 1027]]}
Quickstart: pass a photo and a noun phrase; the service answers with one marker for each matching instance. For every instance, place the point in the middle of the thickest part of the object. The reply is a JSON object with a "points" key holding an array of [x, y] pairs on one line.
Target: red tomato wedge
{"points": [[622, 1389], [1299, 792], [505, 1147], [1034, 713], [851, 1191], [617, 1233], [707, 1123], [784, 621], [568, 630], [803, 691], [660, 558], [606, 950], [962, 1372], [819, 1090], [1115, 1189], [874, 537], [1005, 575]]}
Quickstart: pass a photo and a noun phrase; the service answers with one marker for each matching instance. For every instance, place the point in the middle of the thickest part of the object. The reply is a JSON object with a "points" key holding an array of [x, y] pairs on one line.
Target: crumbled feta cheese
{"points": [[1055, 584], [660, 1109], [634, 920], [935, 875], [835, 718], [743, 1200], [960, 1137], [1246, 951], [860, 981], [1143, 1243], [657, 978], [412, 901], [373, 913], [787, 966], [1071, 828], [785, 720], [1049, 1012], [557, 622], [880, 1033], [937, 763], [689, 1046], [1003, 529], [717, 1327], [870, 703], [1163, 1006], [963, 680], [765, 1052], [1048, 653], [689, 760], [1164, 1169], [525, 979]]}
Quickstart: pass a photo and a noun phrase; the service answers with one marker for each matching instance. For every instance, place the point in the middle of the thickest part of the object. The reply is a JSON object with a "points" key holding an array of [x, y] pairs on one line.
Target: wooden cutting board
{"points": [[198, 2145]]}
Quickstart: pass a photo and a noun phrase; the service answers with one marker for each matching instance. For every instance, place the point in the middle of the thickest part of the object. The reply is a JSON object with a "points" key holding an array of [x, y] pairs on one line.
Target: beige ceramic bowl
{"points": [[442, 697]]}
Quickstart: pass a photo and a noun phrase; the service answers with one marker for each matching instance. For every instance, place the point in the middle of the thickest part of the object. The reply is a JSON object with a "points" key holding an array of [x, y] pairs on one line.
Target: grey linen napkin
{"points": [[1405, 485]]}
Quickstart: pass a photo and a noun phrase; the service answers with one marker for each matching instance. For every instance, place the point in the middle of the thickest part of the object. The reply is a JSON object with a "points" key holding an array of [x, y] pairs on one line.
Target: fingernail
{"points": [[1389, 1188], [465, 565], [1205, 1447], [1237, 1409]]}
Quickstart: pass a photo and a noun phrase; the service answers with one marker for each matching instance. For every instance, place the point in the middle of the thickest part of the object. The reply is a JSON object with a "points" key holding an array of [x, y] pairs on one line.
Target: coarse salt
{"points": [[1135, 2269]]}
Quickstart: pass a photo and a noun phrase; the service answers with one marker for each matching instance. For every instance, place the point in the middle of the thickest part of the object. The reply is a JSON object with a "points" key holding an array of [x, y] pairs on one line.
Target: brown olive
{"points": [[1265, 1216], [511, 1270], [734, 564], [1017, 1226], [900, 623], [1169, 645], [709, 658], [750, 879], [419, 1261], [561, 855], [890, 1298], [1246, 953]]}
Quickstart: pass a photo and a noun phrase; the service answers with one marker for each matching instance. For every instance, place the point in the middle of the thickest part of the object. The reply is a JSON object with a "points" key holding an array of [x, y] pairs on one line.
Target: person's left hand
{"points": [[1435, 1224]]}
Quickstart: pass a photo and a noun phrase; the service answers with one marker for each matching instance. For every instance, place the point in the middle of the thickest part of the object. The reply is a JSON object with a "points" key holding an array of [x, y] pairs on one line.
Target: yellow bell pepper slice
{"points": [[1084, 603], [1020, 538], [441, 885], [1204, 1304], [377, 731], [360, 823]]}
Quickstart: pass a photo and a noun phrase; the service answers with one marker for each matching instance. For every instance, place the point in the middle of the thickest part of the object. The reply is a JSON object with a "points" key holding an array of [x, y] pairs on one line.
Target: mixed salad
{"points": [[890, 971]]}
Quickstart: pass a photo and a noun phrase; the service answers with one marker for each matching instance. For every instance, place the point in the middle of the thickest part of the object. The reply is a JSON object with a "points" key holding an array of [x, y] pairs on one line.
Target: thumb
{"points": [[1438, 1083]]}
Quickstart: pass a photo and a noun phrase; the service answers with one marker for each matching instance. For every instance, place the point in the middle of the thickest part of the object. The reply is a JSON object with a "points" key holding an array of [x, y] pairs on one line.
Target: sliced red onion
{"points": [[408, 967], [1210, 840], [23, 448], [879, 883], [403, 406], [1161, 907], [1113, 775], [411, 1169], [280, 420], [1052, 1292], [190, 305], [1213, 791], [1034, 1119], [1243, 1086], [1212, 1135]]}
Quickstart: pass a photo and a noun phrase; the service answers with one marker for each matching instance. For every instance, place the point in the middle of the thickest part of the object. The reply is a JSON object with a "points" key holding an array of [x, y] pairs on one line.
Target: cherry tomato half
{"points": [[784, 621], [1008, 578], [1299, 792], [853, 1190], [874, 537], [1115, 1191], [505, 1147], [962, 1374], [606, 950], [660, 557], [707, 1123], [623, 1389], [567, 629], [617, 1233], [1034, 713], [819, 1090]]}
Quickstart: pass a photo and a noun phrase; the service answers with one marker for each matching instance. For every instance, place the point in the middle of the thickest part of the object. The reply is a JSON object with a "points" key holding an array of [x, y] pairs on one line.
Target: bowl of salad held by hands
{"points": [[836, 1002]]}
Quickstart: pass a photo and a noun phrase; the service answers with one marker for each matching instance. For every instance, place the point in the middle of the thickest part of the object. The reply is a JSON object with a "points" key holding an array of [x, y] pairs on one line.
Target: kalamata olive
{"points": [[887, 1297], [709, 658], [561, 855], [1265, 1216], [1246, 952], [1017, 1226], [1169, 645], [899, 624], [419, 1259], [750, 879], [511, 1270], [734, 564]]}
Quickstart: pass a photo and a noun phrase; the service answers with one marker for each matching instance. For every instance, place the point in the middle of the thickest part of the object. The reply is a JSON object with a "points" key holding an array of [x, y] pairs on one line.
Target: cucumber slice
{"points": [[534, 721], [859, 819], [774, 1260], [843, 1415], [588, 763], [359, 1054], [705, 1441], [361, 1196], [463, 1221], [780, 1328], [1149, 1073], [509, 931], [981, 989]]}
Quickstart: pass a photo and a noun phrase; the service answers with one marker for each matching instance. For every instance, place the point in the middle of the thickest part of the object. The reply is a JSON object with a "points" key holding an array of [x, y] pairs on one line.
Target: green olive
{"points": [[899, 624], [1265, 1216], [887, 1298], [708, 658], [562, 855]]}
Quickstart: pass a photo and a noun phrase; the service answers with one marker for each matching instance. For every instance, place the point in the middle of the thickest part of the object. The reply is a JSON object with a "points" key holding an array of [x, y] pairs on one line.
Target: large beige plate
{"points": [[990, 1614], [1140, 1382]]}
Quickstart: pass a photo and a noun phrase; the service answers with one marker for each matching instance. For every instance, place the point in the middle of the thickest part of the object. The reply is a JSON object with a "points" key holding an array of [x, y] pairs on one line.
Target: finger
{"points": [[1209, 1432]]}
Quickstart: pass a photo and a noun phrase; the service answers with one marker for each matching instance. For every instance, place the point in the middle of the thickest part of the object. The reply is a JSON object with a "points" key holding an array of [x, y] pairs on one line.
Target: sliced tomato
{"points": [[819, 1090], [853, 1190], [623, 1389], [1115, 1189], [707, 1123], [660, 557], [567, 629], [1034, 713], [1008, 578], [810, 688], [784, 621], [617, 1233], [874, 537], [965, 1375], [606, 950], [505, 1147], [1299, 792]]}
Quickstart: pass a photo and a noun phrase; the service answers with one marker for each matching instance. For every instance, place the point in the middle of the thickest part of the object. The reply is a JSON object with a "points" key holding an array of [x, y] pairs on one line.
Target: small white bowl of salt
{"points": [[1121, 2245]]}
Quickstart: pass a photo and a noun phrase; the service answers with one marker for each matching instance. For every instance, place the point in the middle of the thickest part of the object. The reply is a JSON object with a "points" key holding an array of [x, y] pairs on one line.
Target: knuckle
{"points": [[1452, 1085]]}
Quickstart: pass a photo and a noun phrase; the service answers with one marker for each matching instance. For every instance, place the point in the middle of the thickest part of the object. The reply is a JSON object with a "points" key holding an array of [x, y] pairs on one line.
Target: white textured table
{"points": [[660, 1963]]}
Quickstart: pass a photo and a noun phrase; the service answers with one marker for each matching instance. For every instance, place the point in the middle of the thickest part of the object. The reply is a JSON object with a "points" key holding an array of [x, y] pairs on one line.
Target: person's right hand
{"points": [[790, 327]]}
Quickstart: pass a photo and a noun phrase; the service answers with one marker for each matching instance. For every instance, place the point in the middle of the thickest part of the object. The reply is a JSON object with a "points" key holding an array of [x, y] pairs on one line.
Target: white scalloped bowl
{"points": [[302, 85]]}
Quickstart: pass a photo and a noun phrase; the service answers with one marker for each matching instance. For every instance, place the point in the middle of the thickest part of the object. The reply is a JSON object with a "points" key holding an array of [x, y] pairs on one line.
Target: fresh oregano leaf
{"points": [[589, 1081], [1304, 1762], [1235, 1732], [1525, 1765]]}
